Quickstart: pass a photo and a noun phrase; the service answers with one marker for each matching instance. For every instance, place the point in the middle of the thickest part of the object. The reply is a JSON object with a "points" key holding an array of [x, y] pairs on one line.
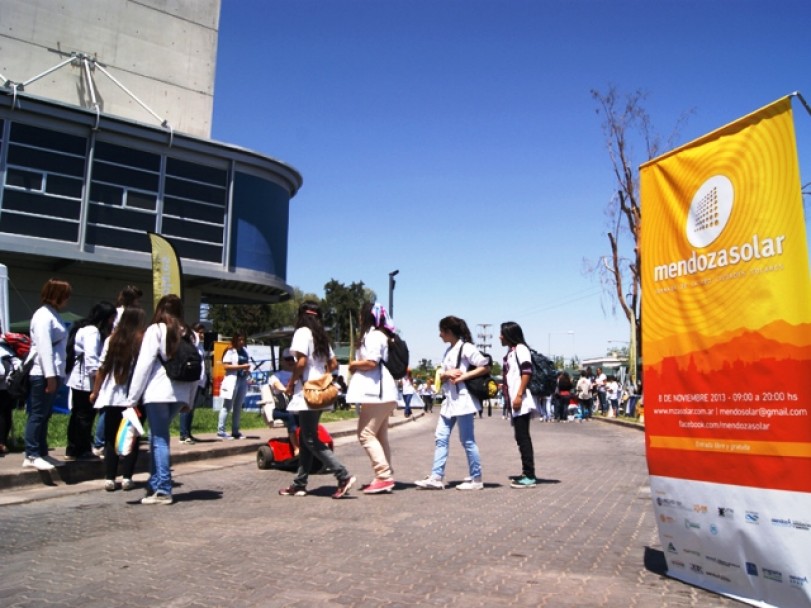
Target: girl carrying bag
{"points": [[321, 392]]}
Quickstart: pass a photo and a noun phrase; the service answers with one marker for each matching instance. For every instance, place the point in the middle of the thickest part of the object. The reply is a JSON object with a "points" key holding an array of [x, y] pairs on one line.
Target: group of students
{"points": [[111, 360], [375, 391], [117, 362]]}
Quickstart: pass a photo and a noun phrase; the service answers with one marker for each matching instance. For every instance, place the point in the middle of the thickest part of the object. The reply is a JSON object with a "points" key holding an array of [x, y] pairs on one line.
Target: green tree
{"points": [[257, 318], [342, 303]]}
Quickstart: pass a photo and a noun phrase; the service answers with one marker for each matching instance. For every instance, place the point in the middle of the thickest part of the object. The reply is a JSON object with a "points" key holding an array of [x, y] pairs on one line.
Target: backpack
{"points": [[20, 344], [186, 365], [397, 361], [544, 375], [481, 387], [18, 381]]}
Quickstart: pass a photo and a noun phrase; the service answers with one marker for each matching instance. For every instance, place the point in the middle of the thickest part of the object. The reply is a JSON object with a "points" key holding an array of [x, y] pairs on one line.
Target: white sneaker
{"points": [[470, 485], [127, 485], [98, 452], [430, 483], [38, 463]]}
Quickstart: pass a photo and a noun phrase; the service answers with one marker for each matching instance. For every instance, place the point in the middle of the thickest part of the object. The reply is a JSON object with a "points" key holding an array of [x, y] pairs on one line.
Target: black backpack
{"points": [[544, 375], [481, 387], [18, 380], [397, 362], [186, 365]]}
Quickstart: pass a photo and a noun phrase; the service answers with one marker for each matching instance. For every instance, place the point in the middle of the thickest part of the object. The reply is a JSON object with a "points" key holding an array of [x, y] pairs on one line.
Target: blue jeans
{"points": [[407, 401], [159, 416], [289, 418], [603, 399], [39, 414], [98, 439], [444, 426], [235, 403]]}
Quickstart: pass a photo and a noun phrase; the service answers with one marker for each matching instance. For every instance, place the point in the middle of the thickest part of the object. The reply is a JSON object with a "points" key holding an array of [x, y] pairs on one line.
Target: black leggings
{"points": [[112, 419]]}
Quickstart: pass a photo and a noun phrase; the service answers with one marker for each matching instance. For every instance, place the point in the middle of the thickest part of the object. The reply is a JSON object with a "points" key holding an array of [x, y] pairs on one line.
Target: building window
{"points": [[194, 206], [43, 183]]}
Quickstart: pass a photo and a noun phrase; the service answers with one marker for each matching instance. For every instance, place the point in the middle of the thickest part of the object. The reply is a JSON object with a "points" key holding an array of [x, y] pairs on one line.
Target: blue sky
{"points": [[457, 141]]}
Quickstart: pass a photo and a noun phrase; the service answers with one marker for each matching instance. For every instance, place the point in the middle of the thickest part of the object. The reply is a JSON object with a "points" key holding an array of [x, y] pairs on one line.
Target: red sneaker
{"points": [[379, 486]]}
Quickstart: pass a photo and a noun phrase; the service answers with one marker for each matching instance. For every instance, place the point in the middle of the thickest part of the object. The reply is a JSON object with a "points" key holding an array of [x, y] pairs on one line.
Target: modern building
{"points": [[105, 116]]}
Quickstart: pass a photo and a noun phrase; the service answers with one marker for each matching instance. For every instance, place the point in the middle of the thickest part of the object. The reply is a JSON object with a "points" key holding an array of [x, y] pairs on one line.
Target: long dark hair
{"points": [[512, 333], [309, 316], [125, 342], [457, 327], [101, 316], [170, 311]]}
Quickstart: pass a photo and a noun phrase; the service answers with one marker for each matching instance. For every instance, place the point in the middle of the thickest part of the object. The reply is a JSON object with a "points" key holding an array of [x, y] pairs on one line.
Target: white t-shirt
{"points": [[364, 386], [458, 401], [516, 356], [303, 344]]}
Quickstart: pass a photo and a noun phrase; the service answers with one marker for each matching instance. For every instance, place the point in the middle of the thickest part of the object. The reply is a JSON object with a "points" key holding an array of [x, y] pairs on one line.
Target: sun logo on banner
{"points": [[710, 210]]}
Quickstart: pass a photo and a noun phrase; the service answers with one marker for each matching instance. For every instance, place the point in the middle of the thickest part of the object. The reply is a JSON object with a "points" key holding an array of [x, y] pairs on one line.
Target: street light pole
{"points": [[392, 282]]}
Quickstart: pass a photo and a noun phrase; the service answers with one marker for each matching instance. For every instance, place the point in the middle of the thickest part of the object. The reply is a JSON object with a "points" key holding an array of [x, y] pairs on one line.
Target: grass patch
{"points": [[205, 421]]}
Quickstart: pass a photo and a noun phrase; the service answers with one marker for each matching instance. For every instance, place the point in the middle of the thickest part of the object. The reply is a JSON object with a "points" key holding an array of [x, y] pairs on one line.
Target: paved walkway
{"points": [[585, 537]]}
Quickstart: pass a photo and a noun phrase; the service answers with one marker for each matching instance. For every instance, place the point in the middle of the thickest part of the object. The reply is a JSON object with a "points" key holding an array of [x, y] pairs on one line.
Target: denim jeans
{"points": [[39, 414], [312, 447], [290, 419], [444, 426], [235, 403], [160, 415], [601, 396], [98, 439], [407, 401]]}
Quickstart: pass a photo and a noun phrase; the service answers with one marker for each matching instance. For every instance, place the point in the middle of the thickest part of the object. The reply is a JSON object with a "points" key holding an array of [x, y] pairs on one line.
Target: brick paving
{"points": [[584, 537]]}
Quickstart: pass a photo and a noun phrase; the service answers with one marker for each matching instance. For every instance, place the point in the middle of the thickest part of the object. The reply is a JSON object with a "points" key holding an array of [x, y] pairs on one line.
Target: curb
{"points": [[621, 422], [86, 470]]}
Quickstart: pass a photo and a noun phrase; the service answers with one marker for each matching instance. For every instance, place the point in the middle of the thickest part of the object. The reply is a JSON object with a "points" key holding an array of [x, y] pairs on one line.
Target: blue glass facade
{"points": [[71, 191]]}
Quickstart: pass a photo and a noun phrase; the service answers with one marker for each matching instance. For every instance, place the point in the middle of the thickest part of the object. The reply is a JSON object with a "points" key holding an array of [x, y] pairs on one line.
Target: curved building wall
{"points": [[78, 195]]}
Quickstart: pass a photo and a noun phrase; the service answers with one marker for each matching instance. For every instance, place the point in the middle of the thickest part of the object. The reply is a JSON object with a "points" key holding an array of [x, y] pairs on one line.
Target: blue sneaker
{"points": [[524, 482], [223, 435]]}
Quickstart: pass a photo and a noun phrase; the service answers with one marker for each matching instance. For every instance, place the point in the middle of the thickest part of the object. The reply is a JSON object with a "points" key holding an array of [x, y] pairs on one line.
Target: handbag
{"points": [[129, 430], [228, 386], [320, 392]]}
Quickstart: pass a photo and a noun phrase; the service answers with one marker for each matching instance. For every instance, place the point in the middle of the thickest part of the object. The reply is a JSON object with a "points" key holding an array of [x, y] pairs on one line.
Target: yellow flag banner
{"points": [[726, 336], [167, 274]]}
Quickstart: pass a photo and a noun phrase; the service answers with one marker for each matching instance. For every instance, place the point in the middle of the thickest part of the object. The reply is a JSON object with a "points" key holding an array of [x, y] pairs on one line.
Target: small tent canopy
{"points": [[24, 326]]}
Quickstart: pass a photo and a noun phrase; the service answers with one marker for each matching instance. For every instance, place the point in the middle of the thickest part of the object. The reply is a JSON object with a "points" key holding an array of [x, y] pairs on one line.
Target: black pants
{"points": [[6, 409], [80, 425], [524, 441], [112, 418], [562, 407]]}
